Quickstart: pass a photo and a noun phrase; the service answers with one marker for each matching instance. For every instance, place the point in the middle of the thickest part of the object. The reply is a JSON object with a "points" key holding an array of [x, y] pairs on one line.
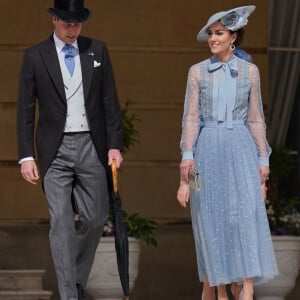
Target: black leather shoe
{"points": [[80, 292]]}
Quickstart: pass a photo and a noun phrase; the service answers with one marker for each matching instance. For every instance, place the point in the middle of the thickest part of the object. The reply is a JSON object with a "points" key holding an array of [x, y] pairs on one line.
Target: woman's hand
{"points": [[185, 166], [264, 191], [264, 176], [264, 173], [183, 194]]}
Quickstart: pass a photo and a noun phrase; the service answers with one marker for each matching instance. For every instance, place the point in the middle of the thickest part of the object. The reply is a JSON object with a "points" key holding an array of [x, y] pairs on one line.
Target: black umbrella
{"points": [[121, 237]]}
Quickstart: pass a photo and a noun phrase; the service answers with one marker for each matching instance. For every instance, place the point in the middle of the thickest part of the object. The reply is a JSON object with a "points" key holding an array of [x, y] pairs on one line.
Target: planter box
{"points": [[104, 281], [287, 252]]}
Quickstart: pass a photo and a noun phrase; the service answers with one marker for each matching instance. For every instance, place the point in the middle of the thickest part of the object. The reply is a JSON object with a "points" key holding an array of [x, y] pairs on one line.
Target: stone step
{"points": [[21, 279], [25, 295]]}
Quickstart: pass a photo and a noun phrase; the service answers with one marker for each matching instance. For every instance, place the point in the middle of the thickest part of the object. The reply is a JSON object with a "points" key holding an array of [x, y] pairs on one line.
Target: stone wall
{"points": [[152, 45]]}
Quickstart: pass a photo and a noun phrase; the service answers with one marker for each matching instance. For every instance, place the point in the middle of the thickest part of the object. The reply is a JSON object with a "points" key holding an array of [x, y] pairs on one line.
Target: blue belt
{"points": [[222, 124]]}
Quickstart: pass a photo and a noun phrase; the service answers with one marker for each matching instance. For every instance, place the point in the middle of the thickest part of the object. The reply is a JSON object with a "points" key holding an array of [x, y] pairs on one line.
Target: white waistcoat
{"points": [[76, 114]]}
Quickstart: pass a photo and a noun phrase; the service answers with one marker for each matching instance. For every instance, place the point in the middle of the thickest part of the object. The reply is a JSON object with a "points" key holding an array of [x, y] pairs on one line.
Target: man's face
{"points": [[67, 32]]}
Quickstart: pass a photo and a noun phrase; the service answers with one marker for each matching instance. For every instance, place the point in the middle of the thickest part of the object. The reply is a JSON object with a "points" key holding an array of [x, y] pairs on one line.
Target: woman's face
{"points": [[220, 39]]}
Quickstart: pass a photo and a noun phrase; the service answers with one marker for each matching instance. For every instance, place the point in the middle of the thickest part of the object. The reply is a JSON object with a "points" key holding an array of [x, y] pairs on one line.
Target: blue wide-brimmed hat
{"points": [[70, 11], [232, 19]]}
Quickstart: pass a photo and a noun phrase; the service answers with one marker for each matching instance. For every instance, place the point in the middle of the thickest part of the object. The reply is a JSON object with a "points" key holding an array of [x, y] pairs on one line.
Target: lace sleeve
{"points": [[191, 114], [256, 120]]}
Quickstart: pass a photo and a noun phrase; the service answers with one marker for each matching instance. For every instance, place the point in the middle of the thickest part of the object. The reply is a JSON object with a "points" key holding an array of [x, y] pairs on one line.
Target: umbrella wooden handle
{"points": [[114, 175]]}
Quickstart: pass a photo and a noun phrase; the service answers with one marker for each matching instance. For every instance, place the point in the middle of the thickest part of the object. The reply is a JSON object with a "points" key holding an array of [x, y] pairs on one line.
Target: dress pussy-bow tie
{"points": [[224, 88], [231, 64]]}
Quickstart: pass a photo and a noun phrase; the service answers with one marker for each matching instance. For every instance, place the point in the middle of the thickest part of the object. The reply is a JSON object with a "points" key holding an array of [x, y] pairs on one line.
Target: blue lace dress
{"points": [[223, 130]]}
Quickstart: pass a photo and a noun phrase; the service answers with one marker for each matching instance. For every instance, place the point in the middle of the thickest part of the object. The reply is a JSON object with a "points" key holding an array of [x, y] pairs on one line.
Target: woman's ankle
{"points": [[208, 292], [222, 294], [248, 289], [236, 290]]}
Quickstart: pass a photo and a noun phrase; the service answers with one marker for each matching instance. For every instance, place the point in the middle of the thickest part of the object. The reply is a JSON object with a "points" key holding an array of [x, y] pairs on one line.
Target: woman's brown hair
{"points": [[239, 37]]}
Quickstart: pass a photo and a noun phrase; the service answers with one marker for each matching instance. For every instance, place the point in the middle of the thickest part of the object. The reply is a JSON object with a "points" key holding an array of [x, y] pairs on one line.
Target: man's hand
{"points": [[29, 171], [115, 154]]}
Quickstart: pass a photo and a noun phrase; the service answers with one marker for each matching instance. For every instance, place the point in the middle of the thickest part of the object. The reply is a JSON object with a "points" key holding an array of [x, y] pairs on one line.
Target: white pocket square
{"points": [[96, 64]]}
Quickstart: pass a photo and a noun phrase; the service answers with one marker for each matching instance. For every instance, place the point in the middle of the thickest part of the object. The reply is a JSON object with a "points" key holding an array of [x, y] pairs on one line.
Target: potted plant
{"points": [[104, 281], [138, 227], [283, 211]]}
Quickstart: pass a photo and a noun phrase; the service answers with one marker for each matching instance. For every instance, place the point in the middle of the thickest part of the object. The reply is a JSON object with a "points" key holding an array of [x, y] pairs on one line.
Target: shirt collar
{"points": [[213, 59], [59, 44], [216, 64]]}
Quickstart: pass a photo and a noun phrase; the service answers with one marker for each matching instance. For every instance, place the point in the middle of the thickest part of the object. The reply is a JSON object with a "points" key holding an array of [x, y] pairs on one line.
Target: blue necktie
{"points": [[70, 52]]}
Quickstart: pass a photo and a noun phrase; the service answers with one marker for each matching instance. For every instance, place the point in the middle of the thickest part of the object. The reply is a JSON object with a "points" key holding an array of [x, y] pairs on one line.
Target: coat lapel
{"points": [[51, 61], [87, 64]]}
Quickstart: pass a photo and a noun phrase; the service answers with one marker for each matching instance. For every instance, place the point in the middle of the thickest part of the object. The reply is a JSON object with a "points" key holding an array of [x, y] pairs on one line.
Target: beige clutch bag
{"points": [[194, 180]]}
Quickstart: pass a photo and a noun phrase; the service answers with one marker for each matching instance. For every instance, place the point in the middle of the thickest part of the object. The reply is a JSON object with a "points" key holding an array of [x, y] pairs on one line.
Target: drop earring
{"points": [[232, 47]]}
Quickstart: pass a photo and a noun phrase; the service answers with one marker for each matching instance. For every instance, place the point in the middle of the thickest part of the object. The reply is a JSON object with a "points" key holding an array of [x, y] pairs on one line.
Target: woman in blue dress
{"points": [[224, 138]]}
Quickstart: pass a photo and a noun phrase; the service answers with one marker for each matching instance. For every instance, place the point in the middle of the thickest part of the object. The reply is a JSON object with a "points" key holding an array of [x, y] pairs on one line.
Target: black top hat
{"points": [[70, 11]]}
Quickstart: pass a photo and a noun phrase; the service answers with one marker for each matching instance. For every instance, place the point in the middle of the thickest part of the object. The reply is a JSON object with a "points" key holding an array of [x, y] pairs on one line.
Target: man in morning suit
{"points": [[78, 133]]}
